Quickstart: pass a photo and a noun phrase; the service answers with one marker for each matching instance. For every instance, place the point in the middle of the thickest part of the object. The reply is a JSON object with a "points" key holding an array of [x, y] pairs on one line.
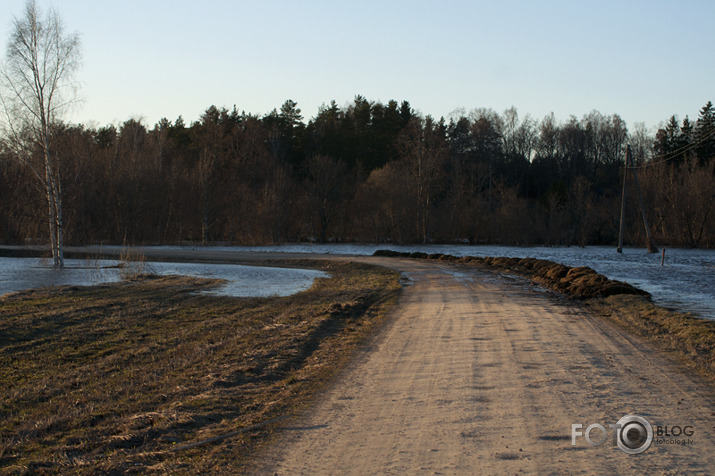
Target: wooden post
{"points": [[662, 259], [623, 203]]}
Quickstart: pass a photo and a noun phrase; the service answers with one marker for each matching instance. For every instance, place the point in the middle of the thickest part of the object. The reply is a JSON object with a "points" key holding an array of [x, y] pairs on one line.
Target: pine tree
{"points": [[667, 139], [685, 140], [705, 133]]}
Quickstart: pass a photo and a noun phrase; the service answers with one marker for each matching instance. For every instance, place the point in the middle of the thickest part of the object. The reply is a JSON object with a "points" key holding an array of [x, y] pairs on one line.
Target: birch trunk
{"points": [[36, 85]]}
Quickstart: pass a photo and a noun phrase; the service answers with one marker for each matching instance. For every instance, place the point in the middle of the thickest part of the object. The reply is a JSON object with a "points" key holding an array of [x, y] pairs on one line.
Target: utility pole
{"points": [[623, 202]]}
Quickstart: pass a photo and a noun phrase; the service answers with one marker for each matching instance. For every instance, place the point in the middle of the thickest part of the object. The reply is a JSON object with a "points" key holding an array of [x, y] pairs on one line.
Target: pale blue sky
{"points": [[644, 60]]}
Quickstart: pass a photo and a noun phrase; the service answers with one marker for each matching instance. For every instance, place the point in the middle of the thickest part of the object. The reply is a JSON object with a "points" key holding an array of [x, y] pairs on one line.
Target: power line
{"points": [[675, 154]]}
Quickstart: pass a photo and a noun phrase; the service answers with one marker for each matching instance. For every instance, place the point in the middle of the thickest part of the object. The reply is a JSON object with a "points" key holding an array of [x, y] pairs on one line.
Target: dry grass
{"points": [[687, 337], [113, 378], [133, 264]]}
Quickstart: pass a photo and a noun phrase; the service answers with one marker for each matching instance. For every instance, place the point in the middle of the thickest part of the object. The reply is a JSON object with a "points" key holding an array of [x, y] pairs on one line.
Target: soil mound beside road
{"points": [[580, 282]]}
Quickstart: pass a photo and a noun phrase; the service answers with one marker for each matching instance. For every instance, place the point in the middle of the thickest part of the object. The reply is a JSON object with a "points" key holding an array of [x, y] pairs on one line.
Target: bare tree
{"points": [[37, 86], [422, 146], [326, 186]]}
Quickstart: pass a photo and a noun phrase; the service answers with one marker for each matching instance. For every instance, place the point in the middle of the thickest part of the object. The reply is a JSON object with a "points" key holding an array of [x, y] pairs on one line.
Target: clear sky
{"points": [[642, 59]]}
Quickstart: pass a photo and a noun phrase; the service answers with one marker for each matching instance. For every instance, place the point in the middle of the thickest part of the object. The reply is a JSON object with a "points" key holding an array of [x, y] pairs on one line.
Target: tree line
{"points": [[369, 172]]}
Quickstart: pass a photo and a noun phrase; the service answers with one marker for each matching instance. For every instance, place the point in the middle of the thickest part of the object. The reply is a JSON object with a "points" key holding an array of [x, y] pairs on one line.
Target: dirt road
{"points": [[478, 375]]}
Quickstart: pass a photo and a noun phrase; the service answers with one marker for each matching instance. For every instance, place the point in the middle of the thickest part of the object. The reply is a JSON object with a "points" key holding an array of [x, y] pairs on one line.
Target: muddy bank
{"points": [[578, 282]]}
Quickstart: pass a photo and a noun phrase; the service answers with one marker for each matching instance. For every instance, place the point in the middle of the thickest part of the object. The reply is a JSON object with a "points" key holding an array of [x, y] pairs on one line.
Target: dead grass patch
{"points": [[112, 378], [689, 338]]}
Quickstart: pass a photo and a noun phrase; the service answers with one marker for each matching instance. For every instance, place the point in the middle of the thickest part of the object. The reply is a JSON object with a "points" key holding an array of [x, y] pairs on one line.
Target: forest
{"points": [[369, 172]]}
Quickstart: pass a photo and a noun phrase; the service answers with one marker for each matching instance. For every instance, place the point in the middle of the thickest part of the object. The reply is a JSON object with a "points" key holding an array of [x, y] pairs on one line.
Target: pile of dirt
{"points": [[580, 282]]}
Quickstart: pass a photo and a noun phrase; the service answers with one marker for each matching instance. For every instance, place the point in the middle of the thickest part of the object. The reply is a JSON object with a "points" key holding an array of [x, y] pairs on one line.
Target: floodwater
{"points": [[685, 282], [19, 274]]}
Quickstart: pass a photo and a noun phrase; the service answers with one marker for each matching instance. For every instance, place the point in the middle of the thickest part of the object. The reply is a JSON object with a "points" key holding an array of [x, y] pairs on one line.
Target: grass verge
{"points": [[689, 338], [115, 378]]}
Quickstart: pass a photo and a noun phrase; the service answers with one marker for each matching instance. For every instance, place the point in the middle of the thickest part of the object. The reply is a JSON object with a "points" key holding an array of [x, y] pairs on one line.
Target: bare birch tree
{"points": [[36, 87]]}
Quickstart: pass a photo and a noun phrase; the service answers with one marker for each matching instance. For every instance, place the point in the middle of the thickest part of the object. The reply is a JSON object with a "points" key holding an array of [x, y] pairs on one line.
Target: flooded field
{"points": [[684, 281], [19, 274]]}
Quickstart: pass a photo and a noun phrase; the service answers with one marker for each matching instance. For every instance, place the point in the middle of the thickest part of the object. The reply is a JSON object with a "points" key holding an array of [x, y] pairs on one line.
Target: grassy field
{"points": [[125, 377]]}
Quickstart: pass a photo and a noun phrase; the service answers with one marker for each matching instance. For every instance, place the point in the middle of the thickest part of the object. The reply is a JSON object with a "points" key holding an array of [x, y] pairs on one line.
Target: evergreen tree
{"points": [[705, 133], [323, 135], [386, 125], [686, 137], [358, 120], [667, 139], [286, 130], [406, 113]]}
